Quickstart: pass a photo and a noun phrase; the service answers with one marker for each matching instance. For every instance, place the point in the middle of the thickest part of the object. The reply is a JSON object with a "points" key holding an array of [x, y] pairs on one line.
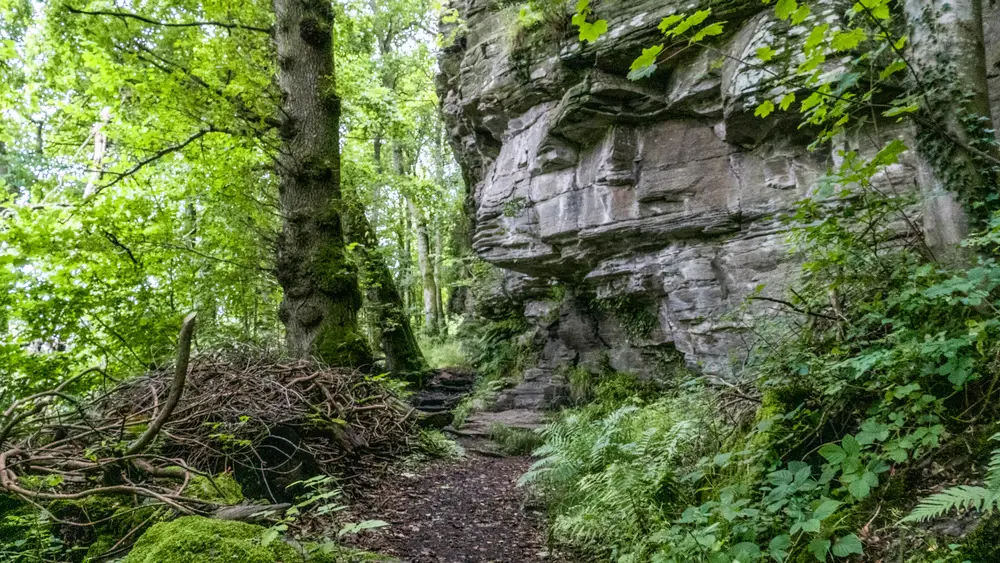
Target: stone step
{"points": [[479, 424]]}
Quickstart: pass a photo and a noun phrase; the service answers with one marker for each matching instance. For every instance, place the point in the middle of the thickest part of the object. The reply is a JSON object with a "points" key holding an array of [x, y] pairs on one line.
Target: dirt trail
{"points": [[468, 510]]}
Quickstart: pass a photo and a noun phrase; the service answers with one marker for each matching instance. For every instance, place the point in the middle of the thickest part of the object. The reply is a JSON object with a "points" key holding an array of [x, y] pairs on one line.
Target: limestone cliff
{"points": [[656, 204]]}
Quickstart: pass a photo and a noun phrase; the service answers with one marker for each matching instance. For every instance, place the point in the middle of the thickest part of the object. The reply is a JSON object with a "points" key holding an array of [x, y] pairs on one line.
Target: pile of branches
{"points": [[149, 436]]}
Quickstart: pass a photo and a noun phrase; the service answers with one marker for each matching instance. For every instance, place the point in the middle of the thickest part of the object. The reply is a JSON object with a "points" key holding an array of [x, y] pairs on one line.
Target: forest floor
{"points": [[466, 510]]}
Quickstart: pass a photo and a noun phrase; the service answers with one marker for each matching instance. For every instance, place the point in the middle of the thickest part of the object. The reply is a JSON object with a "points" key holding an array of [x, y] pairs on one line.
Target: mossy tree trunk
{"points": [[385, 307], [321, 296]]}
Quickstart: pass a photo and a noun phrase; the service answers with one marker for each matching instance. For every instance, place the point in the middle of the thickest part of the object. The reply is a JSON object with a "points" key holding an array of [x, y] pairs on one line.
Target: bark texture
{"points": [[426, 270], [321, 295]]}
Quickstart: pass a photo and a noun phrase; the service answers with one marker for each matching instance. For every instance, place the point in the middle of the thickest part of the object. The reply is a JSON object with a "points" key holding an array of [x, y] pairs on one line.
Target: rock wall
{"points": [[613, 203]]}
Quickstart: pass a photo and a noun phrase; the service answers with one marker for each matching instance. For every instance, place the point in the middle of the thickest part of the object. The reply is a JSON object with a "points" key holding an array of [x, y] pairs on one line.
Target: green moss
{"points": [[336, 275], [222, 489], [194, 539], [341, 345], [982, 545]]}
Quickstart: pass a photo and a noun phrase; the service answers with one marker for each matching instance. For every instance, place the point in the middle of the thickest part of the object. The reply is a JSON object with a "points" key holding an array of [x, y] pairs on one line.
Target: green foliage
{"points": [[26, 535], [964, 498], [499, 355], [193, 539], [515, 441], [878, 353], [435, 444], [634, 314], [877, 358], [590, 31], [443, 352], [610, 480]]}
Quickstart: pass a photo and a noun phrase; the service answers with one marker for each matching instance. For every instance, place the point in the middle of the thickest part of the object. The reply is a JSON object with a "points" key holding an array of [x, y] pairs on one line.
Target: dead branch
{"points": [[176, 387]]}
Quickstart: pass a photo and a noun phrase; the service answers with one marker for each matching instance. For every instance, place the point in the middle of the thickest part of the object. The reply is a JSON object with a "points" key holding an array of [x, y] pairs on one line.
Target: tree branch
{"points": [[794, 308], [176, 387], [119, 176], [114, 240], [128, 15]]}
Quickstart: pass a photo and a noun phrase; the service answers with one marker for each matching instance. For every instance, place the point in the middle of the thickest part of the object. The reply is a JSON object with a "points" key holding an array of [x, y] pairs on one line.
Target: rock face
{"points": [[635, 217]]}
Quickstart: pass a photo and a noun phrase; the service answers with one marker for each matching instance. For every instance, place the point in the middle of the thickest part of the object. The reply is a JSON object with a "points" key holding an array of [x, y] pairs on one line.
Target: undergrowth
{"points": [[496, 351], [881, 360], [515, 441]]}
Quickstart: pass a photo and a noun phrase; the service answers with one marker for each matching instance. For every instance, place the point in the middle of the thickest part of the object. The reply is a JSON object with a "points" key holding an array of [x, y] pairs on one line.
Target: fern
{"points": [[963, 497]]}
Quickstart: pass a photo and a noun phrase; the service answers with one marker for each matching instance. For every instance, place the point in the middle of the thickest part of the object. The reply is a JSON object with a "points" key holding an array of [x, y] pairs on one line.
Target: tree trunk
{"points": [[388, 315], [389, 320], [426, 269], [321, 296], [439, 311], [949, 58]]}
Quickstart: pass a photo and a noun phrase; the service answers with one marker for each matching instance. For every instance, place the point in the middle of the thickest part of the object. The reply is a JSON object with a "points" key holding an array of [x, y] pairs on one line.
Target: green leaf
{"points": [[785, 8], [745, 552], [591, 32], [764, 109], [901, 110], [848, 545], [847, 40], [800, 14], [670, 21], [812, 525], [890, 155], [859, 489], [833, 453], [826, 509], [707, 31], [778, 548], [819, 548], [352, 528], [647, 58], [851, 446], [816, 36], [786, 101], [690, 21], [765, 53], [893, 68]]}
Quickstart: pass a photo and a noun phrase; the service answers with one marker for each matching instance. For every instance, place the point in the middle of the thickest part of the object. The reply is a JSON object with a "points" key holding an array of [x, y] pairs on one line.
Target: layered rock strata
{"points": [[635, 217]]}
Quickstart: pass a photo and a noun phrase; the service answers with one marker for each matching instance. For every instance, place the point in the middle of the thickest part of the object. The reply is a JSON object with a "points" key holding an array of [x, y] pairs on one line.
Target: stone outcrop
{"points": [[649, 210]]}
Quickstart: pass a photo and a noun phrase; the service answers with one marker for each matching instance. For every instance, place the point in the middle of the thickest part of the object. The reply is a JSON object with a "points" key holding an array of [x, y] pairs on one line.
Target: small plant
{"points": [[963, 498], [515, 441], [435, 444]]}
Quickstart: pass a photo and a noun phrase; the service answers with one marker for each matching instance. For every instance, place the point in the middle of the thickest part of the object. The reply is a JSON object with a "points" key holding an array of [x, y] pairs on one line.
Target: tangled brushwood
{"points": [[271, 424]]}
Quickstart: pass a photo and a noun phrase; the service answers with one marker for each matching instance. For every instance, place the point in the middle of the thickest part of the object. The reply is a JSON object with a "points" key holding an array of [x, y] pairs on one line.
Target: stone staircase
{"points": [[520, 407], [441, 394]]}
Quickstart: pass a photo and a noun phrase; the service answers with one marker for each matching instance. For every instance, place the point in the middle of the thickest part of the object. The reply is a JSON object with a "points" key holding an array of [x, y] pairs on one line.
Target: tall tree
{"points": [[321, 294]]}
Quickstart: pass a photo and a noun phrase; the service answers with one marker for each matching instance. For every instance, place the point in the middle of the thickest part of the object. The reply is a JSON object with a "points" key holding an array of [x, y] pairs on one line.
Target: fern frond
{"points": [[993, 471], [961, 498]]}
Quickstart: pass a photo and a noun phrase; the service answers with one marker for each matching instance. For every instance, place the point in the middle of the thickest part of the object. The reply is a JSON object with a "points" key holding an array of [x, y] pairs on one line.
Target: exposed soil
{"points": [[456, 511]]}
